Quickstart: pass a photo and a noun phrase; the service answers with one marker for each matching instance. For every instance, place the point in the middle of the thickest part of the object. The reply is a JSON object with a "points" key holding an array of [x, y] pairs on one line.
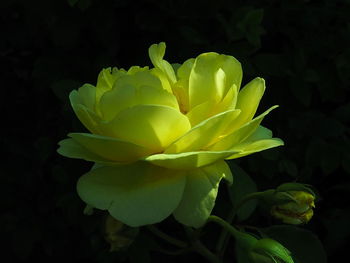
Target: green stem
{"points": [[223, 238], [166, 237], [198, 247]]}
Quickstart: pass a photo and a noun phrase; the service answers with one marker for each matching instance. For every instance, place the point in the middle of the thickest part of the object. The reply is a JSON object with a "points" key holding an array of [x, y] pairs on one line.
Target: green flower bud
{"points": [[267, 250], [297, 211]]}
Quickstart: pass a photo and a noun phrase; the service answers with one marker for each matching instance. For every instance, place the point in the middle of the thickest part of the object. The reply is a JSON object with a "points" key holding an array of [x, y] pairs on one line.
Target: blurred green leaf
{"points": [[304, 245], [242, 185]]}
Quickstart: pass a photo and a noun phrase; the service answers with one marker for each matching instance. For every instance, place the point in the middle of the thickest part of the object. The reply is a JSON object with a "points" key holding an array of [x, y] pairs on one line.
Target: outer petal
{"points": [[156, 54], [110, 148], [150, 126], [72, 149], [240, 134], [249, 98], [137, 194], [188, 160], [203, 134], [87, 96], [87, 117], [200, 193], [248, 147]]}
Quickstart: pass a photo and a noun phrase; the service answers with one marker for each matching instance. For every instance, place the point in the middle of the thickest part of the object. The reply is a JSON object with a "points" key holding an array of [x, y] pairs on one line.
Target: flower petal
{"points": [[200, 193], [203, 134], [188, 160], [72, 149], [86, 116], [201, 112], [131, 90], [106, 79], [156, 54], [249, 147], [240, 134], [150, 126], [211, 77], [249, 98], [137, 194], [110, 148]]}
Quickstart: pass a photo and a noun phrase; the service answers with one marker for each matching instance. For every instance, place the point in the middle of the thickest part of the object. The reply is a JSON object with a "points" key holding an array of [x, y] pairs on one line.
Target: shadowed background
{"points": [[48, 48]]}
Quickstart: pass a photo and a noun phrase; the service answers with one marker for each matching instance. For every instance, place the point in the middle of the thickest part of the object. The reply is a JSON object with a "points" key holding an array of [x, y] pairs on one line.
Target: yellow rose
{"points": [[159, 136]]}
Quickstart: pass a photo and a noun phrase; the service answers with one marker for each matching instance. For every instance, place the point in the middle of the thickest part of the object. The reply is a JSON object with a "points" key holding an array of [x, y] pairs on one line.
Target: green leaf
{"points": [[242, 186], [304, 245]]}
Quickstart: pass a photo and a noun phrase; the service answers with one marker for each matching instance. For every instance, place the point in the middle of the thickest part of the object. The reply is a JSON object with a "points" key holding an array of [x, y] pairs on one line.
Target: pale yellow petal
{"points": [[229, 141], [156, 53], [201, 112], [247, 148], [109, 148], [204, 134], [136, 194], [200, 193], [249, 98], [188, 160], [151, 126]]}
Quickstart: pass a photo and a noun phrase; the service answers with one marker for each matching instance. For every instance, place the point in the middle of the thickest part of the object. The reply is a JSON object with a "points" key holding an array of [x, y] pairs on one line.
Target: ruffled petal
{"points": [[211, 77], [150, 126], [72, 149], [249, 147], [229, 141], [188, 160], [86, 116], [110, 149], [203, 134], [156, 53], [200, 193], [137, 194], [140, 88]]}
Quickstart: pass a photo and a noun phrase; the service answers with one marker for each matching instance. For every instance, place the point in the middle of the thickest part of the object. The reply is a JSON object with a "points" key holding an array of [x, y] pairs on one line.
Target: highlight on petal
{"points": [[200, 193], [137, 194], [150, 126], [188, 160], [240, 134], [72, 149], [106, 79], [128, 91], [249, 98], [156, 53], [249, 147], [110, 149], [211, 77], [204, 133]]}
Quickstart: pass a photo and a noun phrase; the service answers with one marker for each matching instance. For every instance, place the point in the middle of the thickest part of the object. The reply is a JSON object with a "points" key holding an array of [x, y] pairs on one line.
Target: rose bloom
{"points": [[159, 136]]}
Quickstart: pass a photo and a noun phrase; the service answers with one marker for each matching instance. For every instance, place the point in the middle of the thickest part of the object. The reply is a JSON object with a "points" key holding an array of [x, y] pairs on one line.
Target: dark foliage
{"points": [[48, 48]]}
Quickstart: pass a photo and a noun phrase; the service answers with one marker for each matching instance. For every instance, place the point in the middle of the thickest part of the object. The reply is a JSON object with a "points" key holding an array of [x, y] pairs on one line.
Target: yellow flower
{"points": [[159, 136], [298, 211]]}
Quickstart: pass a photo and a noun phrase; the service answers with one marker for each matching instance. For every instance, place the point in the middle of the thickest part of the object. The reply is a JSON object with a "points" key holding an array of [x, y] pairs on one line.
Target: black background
{"points": [[48, 48]]}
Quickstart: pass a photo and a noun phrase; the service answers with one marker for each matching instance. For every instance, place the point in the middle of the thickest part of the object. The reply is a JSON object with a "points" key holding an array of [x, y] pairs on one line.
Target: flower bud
{"points": [[267, 250], [118, 235], [297, 211]]}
